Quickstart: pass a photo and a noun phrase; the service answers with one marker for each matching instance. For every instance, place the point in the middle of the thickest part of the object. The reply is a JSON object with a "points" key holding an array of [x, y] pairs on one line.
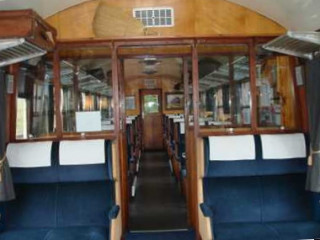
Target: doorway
{"points": [[154, 89], [151, 111]]}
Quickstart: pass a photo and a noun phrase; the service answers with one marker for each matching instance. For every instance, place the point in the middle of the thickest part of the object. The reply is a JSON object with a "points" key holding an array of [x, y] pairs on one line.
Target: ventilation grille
{"points": [[155, 17], [17, 50]]}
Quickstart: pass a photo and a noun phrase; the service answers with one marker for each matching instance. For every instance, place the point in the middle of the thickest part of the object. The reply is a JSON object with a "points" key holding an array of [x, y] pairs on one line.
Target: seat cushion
{"points": [[23, 234], [244, 231], [78, 233], [285, 199], [297, 230], [34, 207], [75, 233], [234, 199], [84, 204]]}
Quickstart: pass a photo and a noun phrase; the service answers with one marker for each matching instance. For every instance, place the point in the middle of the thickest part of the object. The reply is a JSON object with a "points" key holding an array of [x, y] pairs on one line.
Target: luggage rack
{"points": [[299, 44], [33, 38], [18, 50]]}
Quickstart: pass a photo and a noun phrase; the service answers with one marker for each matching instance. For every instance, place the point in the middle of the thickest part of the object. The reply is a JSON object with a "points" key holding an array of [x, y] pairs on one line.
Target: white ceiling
{"points": [[43, 7], [293, 14], [303, 15]]}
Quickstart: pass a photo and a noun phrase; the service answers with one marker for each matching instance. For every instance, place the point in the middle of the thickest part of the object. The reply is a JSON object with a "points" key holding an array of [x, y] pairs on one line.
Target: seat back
{"points": [[249, 185], [230, 186], [283, 167]]}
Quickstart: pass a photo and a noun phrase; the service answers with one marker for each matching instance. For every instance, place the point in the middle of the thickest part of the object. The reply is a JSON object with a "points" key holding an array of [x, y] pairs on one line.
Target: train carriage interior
{"points": [[175, 119]]}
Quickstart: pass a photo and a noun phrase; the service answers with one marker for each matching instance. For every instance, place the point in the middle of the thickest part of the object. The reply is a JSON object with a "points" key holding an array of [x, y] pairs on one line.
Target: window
{"points": [[87, 104], [224, 86], [151, 104], [275, 88], [35, 103], [21, 126], [155, 17]]}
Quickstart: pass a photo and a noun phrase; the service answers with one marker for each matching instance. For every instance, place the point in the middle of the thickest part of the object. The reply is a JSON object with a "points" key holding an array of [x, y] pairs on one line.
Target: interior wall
{"points": [[192, 18], [165, 83]]}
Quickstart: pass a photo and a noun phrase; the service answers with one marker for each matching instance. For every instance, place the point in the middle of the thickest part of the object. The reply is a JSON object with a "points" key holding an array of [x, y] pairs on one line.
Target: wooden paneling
{"points": [[75, 22], [204, 222], [192, 18], [286, 88], [116, 224]]}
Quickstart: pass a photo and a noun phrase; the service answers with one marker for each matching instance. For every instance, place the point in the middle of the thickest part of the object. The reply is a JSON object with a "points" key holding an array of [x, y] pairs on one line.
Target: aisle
{"points": [[173, 235], [158, 204]]}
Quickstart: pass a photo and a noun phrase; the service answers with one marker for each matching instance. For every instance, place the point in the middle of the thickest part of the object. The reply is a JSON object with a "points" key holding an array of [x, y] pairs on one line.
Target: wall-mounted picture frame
{"points": [[174, 101], [130, 102]]}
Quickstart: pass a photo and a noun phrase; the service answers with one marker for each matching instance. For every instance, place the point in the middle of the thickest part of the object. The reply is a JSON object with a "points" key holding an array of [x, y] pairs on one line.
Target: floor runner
{"points": [[172, 235]]}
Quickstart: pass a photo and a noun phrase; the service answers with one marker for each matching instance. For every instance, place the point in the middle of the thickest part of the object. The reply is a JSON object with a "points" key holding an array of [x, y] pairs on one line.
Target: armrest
{"points": [[206, 210], [114, 211]]}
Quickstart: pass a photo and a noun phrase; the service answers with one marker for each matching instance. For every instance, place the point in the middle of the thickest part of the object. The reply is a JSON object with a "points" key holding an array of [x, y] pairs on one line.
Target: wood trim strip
{"points": [[254, 105]]}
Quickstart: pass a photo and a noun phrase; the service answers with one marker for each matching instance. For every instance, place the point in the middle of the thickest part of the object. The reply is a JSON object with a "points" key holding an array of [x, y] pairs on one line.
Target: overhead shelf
{"points": [[299, 44], [18, 50], [33, 38]]}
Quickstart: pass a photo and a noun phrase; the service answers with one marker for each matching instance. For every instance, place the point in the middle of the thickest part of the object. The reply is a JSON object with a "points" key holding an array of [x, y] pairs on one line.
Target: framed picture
{"points": [[130, 102], [174, 100]]}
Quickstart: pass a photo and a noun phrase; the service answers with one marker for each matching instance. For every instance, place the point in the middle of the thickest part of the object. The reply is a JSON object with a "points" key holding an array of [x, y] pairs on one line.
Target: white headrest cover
{"points": [[82, 152], [232, 148], [29, 155], [283, 146], [182, 128]]}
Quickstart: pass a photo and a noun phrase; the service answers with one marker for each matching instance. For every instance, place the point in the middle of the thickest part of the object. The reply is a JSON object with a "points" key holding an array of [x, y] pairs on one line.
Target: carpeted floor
{"points": [[174, 235], [159, 204]]}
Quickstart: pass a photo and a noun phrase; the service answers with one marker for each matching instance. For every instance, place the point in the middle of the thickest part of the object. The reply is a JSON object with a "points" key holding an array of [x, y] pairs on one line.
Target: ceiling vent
{"points": [[299, 44], [155, 17]]}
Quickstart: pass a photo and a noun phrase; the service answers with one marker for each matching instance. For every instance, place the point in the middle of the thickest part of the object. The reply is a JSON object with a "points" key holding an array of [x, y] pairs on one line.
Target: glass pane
{"points": [[35, 103], [151, 104], [224, 87], [87, 103], [274, 82], [21, 126]]}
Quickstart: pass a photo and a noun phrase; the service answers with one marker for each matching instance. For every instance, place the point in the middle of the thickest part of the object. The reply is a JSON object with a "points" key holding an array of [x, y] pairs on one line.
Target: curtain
{"points": [[313, 100], [6, 184]]}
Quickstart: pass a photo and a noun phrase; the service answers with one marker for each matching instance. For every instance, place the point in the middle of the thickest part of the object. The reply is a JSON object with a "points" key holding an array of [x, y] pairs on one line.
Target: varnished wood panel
{"points": [[286, 88], [116, 224], [192, 18], [152, 123]]}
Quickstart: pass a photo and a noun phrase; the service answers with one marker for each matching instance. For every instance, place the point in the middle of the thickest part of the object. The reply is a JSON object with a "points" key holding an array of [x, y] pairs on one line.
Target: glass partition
{"points": [[275, 91], [35, 99], [224, 86], [86, 91]]}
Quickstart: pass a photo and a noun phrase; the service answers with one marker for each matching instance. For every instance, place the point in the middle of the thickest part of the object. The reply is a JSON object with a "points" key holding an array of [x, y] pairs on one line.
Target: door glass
{"points": [[151, 104]]}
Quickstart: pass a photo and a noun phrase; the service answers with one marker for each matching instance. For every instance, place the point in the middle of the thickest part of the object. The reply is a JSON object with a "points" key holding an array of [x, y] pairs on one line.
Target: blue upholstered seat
{"points": [[259, 198], [70, 202], [70, 233]]}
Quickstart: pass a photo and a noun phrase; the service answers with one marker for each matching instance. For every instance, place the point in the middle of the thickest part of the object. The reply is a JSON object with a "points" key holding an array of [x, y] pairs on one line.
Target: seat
{"points": [[296, 230], [261, 194], [244, 231], [74, 233], [60, 193]]}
